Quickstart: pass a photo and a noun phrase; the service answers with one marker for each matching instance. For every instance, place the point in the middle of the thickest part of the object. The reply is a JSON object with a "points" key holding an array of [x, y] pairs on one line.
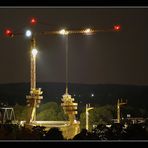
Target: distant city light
{"points": [[28, 33], [92, 95], [128, 115]]}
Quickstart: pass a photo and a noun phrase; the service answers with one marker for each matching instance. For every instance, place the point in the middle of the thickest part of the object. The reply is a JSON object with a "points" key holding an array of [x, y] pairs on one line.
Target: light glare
{"points": [[28, 33], [34, 52], [63, 32], [88, 30]]}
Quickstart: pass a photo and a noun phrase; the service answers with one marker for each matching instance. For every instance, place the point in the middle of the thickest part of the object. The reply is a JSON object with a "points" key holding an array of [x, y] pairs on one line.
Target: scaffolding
{"points": [[7, 115]]}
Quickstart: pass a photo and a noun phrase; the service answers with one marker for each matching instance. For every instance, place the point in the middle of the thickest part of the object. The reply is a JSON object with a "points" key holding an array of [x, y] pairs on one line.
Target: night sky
{"points": [[103, 58]]}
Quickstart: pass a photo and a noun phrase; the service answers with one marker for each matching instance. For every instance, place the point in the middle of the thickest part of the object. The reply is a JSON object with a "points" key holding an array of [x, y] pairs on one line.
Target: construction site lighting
{"points": [[34, 52], [8, 32], [117, 27], [63, 32], [33, 21], [88, 31], [28, 33]]}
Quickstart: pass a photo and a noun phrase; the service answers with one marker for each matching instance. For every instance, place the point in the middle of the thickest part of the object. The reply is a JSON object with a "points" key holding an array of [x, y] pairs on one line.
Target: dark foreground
{"points": [[101, 132]]}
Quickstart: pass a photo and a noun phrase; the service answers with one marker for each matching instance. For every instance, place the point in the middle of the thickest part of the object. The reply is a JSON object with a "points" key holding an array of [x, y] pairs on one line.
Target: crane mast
{"points": [[34, 98]]}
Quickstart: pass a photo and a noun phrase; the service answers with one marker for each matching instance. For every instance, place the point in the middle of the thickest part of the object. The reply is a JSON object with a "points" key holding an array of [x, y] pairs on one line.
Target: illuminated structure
{"points": [[71, 127], [69, 107], [87, 115], [119, 104], [34, 99]]}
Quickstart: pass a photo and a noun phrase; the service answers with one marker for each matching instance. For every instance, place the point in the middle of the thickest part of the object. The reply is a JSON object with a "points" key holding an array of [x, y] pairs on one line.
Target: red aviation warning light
{"points": [[9, 33], [33, 21], [117, 27]]}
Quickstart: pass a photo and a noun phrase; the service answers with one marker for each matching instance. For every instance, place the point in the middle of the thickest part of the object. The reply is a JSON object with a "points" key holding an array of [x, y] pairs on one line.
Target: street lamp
{"points": [[87, 115]]}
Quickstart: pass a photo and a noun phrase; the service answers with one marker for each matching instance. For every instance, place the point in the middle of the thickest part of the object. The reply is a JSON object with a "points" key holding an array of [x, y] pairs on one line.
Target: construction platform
{"points": [[68, 130]]}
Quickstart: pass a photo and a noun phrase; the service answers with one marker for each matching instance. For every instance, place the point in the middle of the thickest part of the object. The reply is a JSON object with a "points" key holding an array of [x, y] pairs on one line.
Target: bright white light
{"points": [[92, 95], [63, 32], [75, 121], [28, 33], [34, 52]]}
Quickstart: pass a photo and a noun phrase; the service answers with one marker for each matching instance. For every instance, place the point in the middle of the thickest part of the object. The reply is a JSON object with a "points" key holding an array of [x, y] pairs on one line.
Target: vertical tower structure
{"points": [[35, 96], [69, 107], [119, 104], [87, 115]]}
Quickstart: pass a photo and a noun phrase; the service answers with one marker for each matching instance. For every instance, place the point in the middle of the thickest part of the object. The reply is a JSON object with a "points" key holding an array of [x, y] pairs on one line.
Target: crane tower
{"points": [[34, 98]]}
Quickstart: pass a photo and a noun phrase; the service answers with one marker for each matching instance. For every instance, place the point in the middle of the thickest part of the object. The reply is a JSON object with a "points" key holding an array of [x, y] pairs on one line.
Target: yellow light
{"points": [[63, 32], [88, 31], [34, 52]]}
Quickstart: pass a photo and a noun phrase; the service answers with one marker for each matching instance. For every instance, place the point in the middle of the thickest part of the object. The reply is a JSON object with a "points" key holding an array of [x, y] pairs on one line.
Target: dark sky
{"points": [[103, 58]]}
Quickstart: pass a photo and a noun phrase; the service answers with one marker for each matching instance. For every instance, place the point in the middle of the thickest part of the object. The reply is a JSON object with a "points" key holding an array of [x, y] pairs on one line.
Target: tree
{"points": [[48, 105], [50, 112], [20, 112]]}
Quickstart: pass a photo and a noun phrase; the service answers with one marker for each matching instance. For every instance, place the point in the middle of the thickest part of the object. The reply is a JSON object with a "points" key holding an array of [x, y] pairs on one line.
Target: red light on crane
{"points": [[9, 33], [117, 27], [33, 21]]}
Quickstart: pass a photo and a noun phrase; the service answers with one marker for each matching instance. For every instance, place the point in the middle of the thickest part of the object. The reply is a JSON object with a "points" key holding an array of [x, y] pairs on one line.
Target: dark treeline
{"points": [[103, 93]]}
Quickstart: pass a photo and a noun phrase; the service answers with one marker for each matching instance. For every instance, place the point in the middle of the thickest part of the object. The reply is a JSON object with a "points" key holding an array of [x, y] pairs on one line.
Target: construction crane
{"points": [[34, 99], [35, 96]]}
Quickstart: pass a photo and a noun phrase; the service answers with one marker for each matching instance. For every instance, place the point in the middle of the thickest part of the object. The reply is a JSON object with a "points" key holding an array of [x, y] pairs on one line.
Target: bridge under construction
{"points": [[69, 128]]}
